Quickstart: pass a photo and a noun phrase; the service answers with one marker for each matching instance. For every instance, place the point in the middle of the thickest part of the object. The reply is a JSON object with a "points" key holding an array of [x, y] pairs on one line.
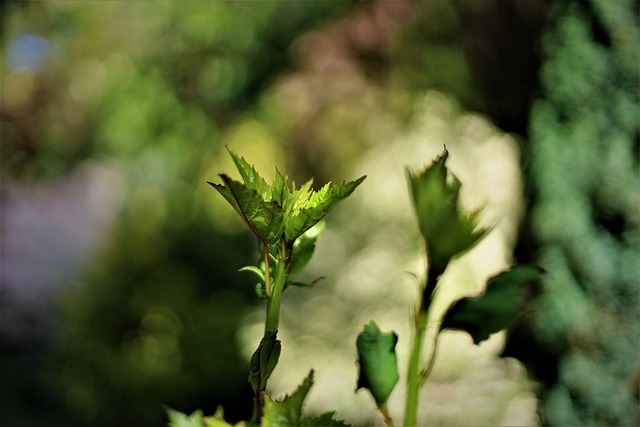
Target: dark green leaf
{"points": [[250, 177], [323, 420], [288, 411], [265, 218], [377, 360], [447, 231], [264, 361], [496, 309]]}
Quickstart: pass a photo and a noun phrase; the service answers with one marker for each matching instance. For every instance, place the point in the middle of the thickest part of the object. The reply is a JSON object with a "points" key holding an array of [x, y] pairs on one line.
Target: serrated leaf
{"points": [[265, 218], [264, 361], [447, 231], [377, 361], [324, 420], [279, 189], [303, 249], [179, 419], [496, 309], [316, 207], [288, 411], [250, 177]]}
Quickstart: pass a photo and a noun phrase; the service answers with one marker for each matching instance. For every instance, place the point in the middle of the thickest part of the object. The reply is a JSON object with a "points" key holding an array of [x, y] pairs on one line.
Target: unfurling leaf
{"points": [[447, 231], [303, 249], [288, 411], [496, 309], [377, 360], [264, 361]]}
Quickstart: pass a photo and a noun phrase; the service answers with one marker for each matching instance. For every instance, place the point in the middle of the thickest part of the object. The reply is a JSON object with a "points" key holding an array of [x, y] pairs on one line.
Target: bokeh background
{"points": [[120, 290]]}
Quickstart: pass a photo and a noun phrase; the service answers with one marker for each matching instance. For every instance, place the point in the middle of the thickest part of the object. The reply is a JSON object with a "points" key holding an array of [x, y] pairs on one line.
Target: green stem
{"points": [[275, 299], [414, 376], [385, 415]]}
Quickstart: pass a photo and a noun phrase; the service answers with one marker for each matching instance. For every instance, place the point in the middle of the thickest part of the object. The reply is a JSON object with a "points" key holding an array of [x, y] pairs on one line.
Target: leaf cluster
{"points": [[279, 212]]}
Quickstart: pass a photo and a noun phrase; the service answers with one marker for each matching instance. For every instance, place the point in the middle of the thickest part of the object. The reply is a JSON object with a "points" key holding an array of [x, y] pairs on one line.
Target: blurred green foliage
{"points": [[585, 177], [154, 90]]}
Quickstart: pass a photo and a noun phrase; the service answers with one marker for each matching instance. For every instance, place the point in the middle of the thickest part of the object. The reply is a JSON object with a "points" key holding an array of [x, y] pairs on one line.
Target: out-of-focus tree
{"points": [[584, 175]]}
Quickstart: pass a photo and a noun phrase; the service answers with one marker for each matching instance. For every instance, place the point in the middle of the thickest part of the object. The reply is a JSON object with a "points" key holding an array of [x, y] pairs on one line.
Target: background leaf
{"points": [[496, 309], [377, 360]]}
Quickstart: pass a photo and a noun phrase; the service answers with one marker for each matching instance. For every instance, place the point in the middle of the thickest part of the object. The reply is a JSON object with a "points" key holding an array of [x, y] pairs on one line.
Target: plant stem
{"points": [[267, 272], [275, 299], [385, 415], [414, 376]]}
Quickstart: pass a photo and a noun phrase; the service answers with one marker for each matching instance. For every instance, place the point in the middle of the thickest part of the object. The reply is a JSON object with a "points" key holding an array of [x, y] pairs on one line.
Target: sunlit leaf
{"points": [[496, 309], [179, 419], [377, 361], [317, 206], [288, 411]]}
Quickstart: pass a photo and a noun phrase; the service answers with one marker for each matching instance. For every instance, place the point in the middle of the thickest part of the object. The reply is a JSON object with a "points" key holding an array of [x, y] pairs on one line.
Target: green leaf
{"points": [[303, 249], [447, 231], [288, 411], [377, 360], [299, 219], [250, 177], [279, 189], [179, 419], [265, 218], [304, 284], [255, 270], [324, 420], [276, 210], [264, 361], [496, 309]]}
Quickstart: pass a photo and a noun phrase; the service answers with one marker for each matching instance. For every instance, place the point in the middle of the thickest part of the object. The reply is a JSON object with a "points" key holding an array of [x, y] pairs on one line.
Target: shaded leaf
{"points": [[264, 361], [496, 309], [377, 361], [447, 231], [323, 420], [288, 411]]}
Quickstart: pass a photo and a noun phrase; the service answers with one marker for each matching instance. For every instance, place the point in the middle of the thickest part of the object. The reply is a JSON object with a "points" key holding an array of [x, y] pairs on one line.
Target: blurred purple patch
{"points": [[28, 53]]}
